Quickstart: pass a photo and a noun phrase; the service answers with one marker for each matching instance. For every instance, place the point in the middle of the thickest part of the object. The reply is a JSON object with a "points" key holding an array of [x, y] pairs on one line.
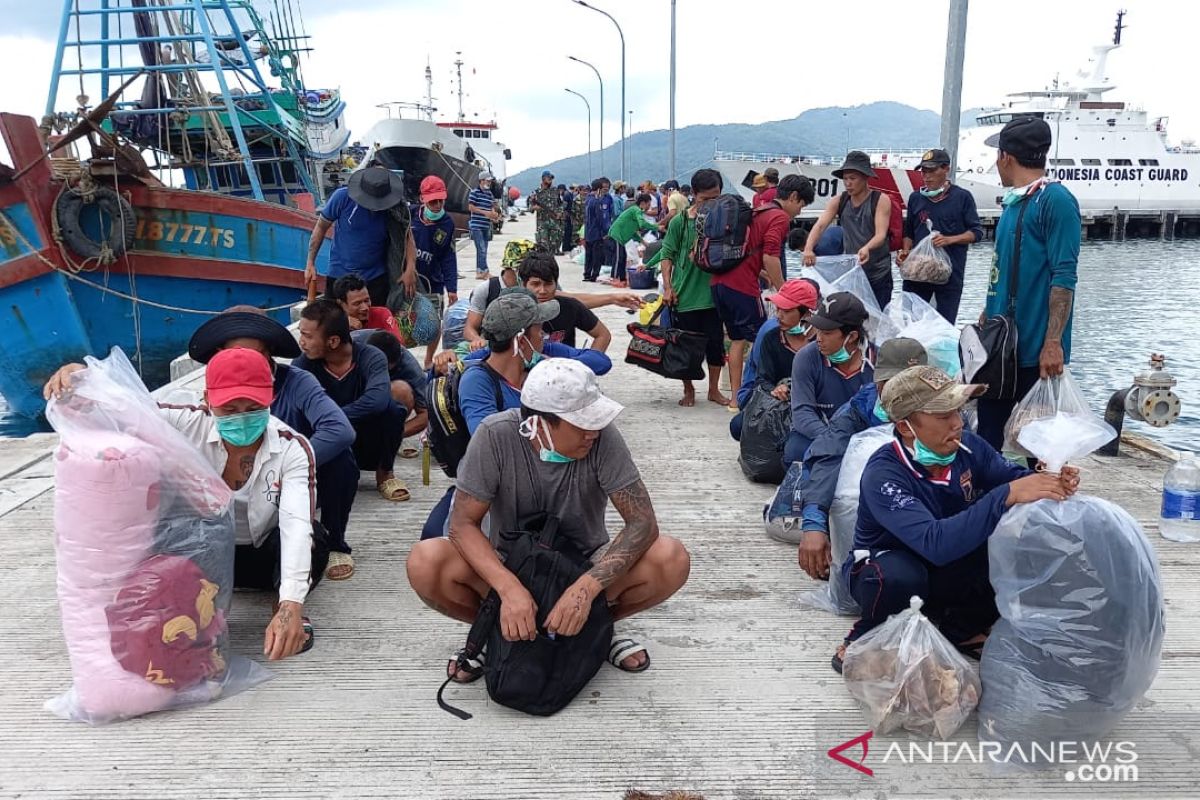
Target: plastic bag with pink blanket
{"points": [[144, 539]]}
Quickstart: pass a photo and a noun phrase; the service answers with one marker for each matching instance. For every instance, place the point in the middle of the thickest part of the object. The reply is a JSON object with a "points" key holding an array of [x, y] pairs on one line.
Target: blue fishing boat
{"points": [[102, 252]]}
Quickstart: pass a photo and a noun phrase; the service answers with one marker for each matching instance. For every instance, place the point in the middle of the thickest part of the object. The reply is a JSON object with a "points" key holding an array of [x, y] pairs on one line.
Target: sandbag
{"points": [[905, 674], [766, 423], [835, 596], [144, 540]]}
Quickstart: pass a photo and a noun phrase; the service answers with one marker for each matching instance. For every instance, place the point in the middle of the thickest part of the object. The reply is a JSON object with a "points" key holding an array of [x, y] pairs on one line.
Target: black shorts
{"points": [[705, 321], [742, 314]]}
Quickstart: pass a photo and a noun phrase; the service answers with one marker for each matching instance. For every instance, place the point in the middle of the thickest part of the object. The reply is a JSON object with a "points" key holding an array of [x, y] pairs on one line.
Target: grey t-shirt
{"points": [[500, 466]]}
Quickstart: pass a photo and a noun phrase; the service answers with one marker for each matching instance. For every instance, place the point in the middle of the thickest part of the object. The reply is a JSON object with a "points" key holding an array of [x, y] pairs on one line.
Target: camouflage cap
{"points": [[512, 312], [927, 389]]}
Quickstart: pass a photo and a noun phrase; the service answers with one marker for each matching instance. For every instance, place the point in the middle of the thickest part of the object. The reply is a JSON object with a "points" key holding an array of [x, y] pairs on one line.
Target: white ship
{"points": [[1110, 155], [457, 151]]}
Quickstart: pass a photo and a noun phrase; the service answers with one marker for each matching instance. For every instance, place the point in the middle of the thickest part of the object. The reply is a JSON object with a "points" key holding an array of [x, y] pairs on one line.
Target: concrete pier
{"points": [[740, 701]]}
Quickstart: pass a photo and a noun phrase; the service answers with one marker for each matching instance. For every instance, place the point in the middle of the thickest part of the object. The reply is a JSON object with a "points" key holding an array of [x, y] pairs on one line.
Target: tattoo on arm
{"points": [[640, 531], [1061, 300], [284, 618]]}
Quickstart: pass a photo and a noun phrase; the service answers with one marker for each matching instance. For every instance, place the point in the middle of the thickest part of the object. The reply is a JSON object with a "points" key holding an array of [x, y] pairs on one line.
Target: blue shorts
{"points": [[742, 314]]}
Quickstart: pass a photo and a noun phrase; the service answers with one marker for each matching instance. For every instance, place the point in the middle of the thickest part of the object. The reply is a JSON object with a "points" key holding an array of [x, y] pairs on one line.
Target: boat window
{"points": [[1120, 162], [288, 170], [1090, 162], [1147, 162], [458, 132], [1062, 162]]}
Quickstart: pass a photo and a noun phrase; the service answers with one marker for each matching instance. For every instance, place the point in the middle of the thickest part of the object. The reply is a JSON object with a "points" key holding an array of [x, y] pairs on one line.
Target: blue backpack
{"points": [[722, 226]]}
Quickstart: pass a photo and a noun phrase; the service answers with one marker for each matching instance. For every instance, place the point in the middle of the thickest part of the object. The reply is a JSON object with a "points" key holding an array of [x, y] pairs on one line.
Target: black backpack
{"points": [[447, 429], [722, 227], [542, 676]]}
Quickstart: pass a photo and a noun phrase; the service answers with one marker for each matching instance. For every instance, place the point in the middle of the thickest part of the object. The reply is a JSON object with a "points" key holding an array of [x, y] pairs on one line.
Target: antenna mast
{"points": [[458, 65], [428, 90]]}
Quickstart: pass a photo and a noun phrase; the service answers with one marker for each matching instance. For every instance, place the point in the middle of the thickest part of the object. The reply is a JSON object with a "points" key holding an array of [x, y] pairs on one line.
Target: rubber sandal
{"points": [[837, 662], [409, 452], [394, 489], [474, 667], [624, 648], [308, 630], [338, 561]]}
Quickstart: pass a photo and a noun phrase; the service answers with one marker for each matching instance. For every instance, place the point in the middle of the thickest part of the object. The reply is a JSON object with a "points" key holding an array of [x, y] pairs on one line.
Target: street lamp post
{"points": [[589, 136], [620, 33], [593, 68], [629, 166], [671, 155]]}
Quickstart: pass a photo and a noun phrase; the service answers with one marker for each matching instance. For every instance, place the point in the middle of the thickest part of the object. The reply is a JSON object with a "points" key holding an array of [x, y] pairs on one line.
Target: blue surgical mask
{"points": [[434, 216], [529, 429], [879, 413], [1012, 196], [840, 357], [242, 430], [932, 192], [798, 330], [926, 457]]}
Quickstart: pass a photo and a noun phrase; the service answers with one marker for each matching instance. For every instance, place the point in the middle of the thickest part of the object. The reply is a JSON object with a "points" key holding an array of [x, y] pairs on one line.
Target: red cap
{"points": [[795, 293], [239, 373], [164, 624], [432, 188]]}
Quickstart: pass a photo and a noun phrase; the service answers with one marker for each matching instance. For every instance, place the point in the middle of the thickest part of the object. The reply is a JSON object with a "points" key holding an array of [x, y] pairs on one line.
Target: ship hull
{"points": [[193, 254]]}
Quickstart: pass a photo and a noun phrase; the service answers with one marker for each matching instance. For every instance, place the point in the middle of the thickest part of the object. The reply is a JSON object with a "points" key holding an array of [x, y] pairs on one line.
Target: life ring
{"points": [[68, 210]]}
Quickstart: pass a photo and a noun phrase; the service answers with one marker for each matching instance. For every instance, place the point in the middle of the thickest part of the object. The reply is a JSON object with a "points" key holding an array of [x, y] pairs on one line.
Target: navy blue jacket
{"points": [[305, 407], [954, 215], [437, 260], [368, 391], [902, 505], [823, 461], [819, 389]]}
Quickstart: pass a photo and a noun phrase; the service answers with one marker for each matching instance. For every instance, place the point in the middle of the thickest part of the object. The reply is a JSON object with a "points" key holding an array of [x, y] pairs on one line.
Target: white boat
{"points": [[1110, 155]]}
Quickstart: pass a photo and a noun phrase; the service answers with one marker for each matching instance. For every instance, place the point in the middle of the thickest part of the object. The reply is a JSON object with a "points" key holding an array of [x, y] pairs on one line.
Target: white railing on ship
{"points": [[769, 158]]}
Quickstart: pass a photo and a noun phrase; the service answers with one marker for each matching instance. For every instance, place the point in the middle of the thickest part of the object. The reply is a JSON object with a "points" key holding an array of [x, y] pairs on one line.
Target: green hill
{"points": [[818, 131]]}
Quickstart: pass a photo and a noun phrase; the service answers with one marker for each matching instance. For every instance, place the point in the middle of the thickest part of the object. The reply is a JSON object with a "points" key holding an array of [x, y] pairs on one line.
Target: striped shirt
{"points": [[480, 198]]}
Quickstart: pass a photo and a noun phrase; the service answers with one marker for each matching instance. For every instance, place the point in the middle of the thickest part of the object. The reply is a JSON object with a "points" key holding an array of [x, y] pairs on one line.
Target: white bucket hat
{"points": [[568, 389]]}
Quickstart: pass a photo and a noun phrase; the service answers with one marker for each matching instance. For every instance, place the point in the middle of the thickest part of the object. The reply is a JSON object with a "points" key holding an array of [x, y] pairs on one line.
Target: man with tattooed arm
{"points": [[559, 454]]}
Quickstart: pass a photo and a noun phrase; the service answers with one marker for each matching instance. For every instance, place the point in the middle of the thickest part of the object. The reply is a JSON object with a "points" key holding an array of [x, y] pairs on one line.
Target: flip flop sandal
{"points": [[838, 658], [624, 648], [336, 569], [394, 489], [409, 452], [308, 630], [473, 667]]}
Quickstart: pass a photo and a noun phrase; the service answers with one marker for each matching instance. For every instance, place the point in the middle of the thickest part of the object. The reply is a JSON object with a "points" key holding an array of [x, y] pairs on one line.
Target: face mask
{"points": [[932, 192], [530, 362], [798, 330], [529, 429], [840, 357], [923, 455], [880, 414], [434, 216], [242, 430], [1012, 196]]}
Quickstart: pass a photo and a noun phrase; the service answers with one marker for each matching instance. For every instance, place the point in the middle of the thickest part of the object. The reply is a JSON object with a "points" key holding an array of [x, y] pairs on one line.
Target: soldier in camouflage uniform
{"points": [[578, 214], [549, 213]]}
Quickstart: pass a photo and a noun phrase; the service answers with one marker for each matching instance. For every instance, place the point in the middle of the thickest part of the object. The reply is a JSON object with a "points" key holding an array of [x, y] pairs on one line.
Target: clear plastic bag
{"points": [[914, 318], [1079, 594], [843, 274], [578, 256], [906, 675], [926, 263], [782, 517], [455, 323], [144, 538], [835, 596], [1081, 622], [1054, 418], [633, 254]]}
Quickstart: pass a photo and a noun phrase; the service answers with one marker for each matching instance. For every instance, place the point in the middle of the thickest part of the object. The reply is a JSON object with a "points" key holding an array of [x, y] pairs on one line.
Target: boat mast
{"points": [[428, 90], [1096, 82], [458, 65]]}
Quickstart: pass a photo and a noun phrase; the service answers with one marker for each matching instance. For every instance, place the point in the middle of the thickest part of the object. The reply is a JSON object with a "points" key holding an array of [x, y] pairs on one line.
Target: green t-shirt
{"points": [[627, 225], [691, 284]]}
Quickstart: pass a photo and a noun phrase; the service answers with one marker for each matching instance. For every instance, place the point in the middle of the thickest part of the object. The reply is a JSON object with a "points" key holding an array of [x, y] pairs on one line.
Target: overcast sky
{"points": [[738, 62]]}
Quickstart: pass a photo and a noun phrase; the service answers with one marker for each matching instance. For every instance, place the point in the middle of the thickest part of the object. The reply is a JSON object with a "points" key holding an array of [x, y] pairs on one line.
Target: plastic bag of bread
{"points": [[905, 674], [1066, 424], [926, 263]]}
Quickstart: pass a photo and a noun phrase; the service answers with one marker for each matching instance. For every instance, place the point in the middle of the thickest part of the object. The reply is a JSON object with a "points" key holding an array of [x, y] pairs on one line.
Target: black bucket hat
{"points": [[856, 161], [376, 188], [212, 335]]}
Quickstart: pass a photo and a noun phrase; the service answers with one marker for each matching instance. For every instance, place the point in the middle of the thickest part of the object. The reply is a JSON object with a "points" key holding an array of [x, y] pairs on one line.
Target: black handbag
{"points": [[670, 352], [993, 343]]}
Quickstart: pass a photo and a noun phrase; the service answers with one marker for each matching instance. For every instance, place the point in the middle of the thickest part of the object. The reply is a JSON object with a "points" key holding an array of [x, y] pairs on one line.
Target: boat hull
{"points": [[193, 254], [417, 162]]}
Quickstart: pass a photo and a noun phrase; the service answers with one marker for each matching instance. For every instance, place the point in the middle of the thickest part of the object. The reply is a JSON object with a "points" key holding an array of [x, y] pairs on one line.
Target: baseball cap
{"points": [[934, 158], [840, 309], [547, 173], [897, 355], [432, 188], [926, 389], [514, 311], [486, 176], [795, 293], [1023, 137], [568, 389], [239, 373], [771, 174]]}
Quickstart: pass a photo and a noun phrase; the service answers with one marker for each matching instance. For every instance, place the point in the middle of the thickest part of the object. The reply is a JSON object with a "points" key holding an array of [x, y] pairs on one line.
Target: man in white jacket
{"points": [[272, 473]]}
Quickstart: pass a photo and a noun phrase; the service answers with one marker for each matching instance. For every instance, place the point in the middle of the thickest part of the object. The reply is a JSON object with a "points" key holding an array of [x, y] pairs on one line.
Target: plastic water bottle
{"points": [[1180, 517]]}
